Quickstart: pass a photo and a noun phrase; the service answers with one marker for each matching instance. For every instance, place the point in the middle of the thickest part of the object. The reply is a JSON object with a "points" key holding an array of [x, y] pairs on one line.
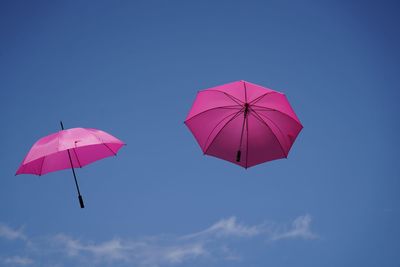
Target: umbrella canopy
{"points": [[83, 145], [243, 123], [71, 148]]}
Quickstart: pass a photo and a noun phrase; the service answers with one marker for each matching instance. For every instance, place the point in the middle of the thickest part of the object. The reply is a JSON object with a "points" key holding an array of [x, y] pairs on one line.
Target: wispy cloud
{"points": [[17, 261], [154, 251], [300, 229], [111, 250], [213, 242], [10, 233], [174, 254], [228, 227]]}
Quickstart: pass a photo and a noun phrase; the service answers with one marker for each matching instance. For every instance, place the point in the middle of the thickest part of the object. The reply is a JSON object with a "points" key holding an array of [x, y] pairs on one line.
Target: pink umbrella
{"points": [[71, 148], [243, 123]]}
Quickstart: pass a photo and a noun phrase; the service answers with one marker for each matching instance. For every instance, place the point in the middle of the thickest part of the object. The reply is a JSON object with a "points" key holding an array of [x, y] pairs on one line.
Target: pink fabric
{"points": [[217, 121], [84, 145]]}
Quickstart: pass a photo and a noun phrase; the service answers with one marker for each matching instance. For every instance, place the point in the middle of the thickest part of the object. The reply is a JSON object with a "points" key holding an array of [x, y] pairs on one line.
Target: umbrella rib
{"points": [[223, 107], [271, 109], [101, 141], [264, 108], [41, 166], [231, 119], [266, 124], [262, 115], [208, 137], [260, 97], [237, 100], [109, 148]]}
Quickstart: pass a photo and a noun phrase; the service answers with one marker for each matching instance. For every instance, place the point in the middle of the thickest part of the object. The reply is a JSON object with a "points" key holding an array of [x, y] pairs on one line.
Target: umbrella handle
{"points": [[81, 201], [239, 153]]}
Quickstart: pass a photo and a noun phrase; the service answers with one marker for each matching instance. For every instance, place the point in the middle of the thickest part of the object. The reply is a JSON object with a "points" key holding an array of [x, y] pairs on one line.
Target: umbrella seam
{"points": [[266, 124], [98, 138], [262, 115], [223, 107], [235, 99], [261, 97], [115, 154], [103, 143], [234, 117], [215, 128], [281, 112]]}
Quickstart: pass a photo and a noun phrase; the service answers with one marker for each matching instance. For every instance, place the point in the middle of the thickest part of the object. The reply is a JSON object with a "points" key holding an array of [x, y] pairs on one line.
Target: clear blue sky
{"points": [[132, 68]]}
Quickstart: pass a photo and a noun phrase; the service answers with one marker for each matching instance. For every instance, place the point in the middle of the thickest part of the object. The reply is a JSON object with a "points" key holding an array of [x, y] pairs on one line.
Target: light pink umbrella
{"points": [[243, 123], [71, 148]]}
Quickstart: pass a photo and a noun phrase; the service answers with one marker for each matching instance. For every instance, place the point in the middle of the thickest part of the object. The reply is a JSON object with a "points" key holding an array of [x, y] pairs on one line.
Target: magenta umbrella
{"points": [[71, 148], [243, 123]]}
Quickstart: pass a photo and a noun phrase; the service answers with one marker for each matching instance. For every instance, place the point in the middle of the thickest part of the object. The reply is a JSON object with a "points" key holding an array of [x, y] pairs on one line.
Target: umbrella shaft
{"points": [[73, 172], [76, 182], [72, 167], [239, 152], [246, 109]]}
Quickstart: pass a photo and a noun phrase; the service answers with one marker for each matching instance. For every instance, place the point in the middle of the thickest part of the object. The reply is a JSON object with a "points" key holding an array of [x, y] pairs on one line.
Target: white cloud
{"points": [[10, 233], [146, 252], [182, 253], [17, 260], [111, 250], [300, 229], [228, 227], [213, 242]]}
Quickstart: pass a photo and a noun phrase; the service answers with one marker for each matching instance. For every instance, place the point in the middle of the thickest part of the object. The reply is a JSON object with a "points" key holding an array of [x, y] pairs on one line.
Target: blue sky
{"points": [[132, 68]]}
